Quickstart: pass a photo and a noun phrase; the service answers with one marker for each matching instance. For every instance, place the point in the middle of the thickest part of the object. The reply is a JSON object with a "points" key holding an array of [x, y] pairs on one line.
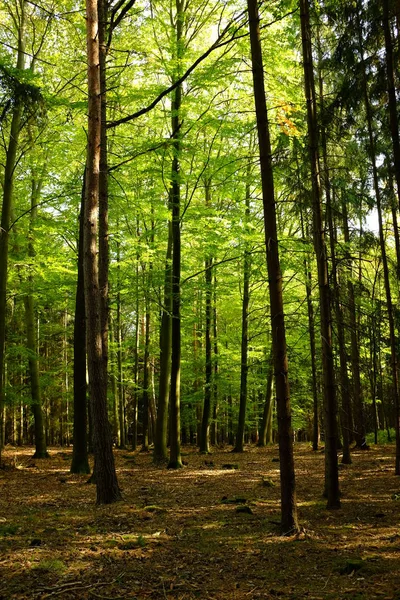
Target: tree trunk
{"points": [[146, 380], [311, 330], [160, 438], [106, 478], [205, 423], [288, 488], [214, 424], [244, 367], [80, 462], [8, 186], [331, 463], [175, 418], [391, 90], [392, 334], [265, 435], [358, 411], [102, 7]]}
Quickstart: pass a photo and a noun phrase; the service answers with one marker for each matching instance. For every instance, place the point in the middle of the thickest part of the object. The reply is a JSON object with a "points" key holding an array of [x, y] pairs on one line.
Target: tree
{"points": [[288, 491], [331, 473], [106, 479]]}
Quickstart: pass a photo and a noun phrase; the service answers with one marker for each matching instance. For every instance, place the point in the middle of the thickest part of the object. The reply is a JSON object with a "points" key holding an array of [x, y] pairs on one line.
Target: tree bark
{"points": [[80, 462], [205, 424], [160, 438], [265, 435], [287, 474], [106, 478], [244, 367], [331, 463], [8, 187], [175, 419], [389, 304]]}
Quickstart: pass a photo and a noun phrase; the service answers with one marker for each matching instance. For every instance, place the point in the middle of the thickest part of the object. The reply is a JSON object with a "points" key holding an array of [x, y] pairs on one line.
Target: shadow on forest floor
{"points": [[202, 532]]}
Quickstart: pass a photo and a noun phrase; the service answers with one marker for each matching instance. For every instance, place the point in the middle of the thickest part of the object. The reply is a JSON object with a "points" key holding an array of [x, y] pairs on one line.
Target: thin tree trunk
{"points": [[160, 438], [32, 342], [205, 424], [331, 463], [214, 424], [102, 6], [175, 419], [80, 462], [265, 434], [391, 90], [344, 379], [244, 367], [358, 412], [8, 187], [288, 488], [146, 380], [311, 330]]}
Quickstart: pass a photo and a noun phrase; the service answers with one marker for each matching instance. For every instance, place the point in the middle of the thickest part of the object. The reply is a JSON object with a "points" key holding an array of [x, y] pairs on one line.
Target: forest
{"points": [[199, 277]]}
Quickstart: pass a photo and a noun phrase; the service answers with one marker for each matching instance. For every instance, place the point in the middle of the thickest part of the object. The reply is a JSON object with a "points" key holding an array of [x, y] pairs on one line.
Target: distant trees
{"points": [[181, 308]]}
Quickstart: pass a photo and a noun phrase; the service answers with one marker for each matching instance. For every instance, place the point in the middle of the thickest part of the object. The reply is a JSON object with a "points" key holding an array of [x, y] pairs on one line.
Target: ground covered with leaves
{"points": [[210, 530]]}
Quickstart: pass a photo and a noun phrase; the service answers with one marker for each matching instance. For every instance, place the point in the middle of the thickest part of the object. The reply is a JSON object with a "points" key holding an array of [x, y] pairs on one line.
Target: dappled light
{"points": [[200, 532]]}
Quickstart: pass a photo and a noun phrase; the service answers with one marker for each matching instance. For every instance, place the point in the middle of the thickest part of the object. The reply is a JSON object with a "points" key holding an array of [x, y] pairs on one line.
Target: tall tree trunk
{"points": [[8, 186], [120, 368], [265, 435], [392, 334], [175, 419], [214, 424], [311, 331], [358, 411], [32, 342], [288, 488], [106, 478], [146, 380], [205, 423], [80, 462], [391, 90], [160, 438], [344, 378], [102, 7], [244, 367], [331, 463]]}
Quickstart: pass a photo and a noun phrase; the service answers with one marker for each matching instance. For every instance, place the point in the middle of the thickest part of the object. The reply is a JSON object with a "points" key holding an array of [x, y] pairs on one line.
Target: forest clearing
{"points": [[179, 535]]}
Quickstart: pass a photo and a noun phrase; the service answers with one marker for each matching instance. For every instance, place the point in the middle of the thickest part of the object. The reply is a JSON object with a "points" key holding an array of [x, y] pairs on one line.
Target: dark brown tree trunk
{"points": [[8, 187], [103, 185], [214, 424], [175, 419], [344, 379], [311, 330], [80, 462], [146, 381], [205, 423], [331, 463], [265, 433], [32, 342], [106, 479], [391, 90], [160, 438], [244, 367], [358, 411], [288, 488]]}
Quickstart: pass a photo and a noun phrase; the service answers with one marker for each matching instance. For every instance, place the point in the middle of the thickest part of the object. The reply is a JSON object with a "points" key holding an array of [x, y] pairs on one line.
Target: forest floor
{"points": [[205, 531]]}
